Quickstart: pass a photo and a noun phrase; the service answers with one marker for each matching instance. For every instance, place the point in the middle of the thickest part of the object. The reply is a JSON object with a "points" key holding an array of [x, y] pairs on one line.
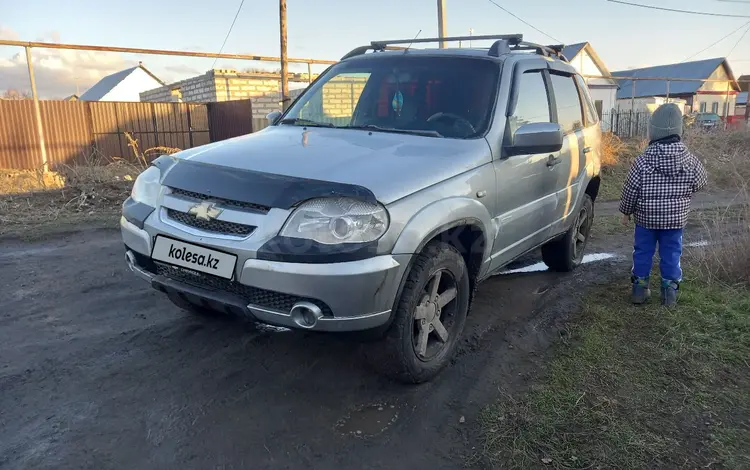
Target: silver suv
{"points": [[377, 202]]}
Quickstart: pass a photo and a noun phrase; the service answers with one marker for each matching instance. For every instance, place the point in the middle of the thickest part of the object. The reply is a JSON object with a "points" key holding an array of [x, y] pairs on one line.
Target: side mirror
{"points": [[272, 117], [539, 137]]}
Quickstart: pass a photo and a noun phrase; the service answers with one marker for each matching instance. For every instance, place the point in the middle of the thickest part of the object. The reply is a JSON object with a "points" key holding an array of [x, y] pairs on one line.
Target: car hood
{"points": [[392, 166]]}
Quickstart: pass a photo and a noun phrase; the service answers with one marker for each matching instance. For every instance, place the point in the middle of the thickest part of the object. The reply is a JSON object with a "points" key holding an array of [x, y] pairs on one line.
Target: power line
{"points": [[524, 21], [229, 32], [717, 42], [691, 12], [738, 41]]}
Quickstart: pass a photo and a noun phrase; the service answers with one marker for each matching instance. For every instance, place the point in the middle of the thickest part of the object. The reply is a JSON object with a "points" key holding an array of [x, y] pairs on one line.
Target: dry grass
{"points": [[725, 259], [87, 193]]}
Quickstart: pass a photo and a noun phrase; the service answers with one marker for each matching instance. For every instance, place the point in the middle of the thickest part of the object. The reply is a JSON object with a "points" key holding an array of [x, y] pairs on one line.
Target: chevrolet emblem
{"points": [[206, 210]]}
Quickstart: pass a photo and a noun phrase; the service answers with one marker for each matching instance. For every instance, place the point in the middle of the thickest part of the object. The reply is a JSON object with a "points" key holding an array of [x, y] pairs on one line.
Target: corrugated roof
{"points": [[700, 69], [106, 84], [742, 98], [572, 50]]}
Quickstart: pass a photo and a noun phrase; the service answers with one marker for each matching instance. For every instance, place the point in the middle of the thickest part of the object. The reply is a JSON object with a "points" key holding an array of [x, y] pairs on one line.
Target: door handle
{"points": [[553, 161], [586, 149]]}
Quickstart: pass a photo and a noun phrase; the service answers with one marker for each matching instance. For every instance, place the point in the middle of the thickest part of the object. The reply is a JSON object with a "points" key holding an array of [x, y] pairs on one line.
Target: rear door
{"points": [[526, 185], [592, 133], [570, 116]]}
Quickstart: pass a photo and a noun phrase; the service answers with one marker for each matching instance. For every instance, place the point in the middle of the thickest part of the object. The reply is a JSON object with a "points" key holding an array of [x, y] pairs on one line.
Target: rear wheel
{"points": [[429, 317], [566, 253]]}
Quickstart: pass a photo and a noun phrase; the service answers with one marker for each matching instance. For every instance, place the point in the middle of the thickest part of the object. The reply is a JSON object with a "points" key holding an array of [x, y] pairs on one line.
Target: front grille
{"points": [[215, 226], [251, 295], [224, 202]]}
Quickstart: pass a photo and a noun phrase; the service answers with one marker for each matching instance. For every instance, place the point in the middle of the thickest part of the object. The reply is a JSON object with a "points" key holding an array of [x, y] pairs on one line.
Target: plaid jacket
{"points": [[661, 184]]}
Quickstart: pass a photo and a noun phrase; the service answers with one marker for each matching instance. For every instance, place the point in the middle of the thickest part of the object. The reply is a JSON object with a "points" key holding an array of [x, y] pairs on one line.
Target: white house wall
{"points": [[130, 88]]}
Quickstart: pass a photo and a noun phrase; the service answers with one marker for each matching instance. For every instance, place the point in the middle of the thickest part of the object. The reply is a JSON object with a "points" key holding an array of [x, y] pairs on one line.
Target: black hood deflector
{"points": [[256, 187]]}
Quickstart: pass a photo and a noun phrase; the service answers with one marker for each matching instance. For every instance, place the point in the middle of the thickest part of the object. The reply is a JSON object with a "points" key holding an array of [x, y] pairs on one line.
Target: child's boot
{"points": [[641, 292], [669, 292]]}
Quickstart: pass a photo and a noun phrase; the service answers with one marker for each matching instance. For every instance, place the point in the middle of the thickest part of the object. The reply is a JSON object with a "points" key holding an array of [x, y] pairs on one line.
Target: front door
{"points": [[525, 183]]}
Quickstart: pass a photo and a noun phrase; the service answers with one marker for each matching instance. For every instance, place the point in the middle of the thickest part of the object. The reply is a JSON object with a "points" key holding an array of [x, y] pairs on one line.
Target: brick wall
{"points": [[340, 96], [229, 85]]}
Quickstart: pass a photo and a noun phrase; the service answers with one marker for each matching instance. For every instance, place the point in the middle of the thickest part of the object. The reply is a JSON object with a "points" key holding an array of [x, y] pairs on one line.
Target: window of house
{"points": [[703, 108], [715, 108], [533, 103], [569, 113]]}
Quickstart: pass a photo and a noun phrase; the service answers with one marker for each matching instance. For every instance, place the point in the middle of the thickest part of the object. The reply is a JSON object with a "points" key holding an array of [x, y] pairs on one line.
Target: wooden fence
{"points": [[74, 130]]}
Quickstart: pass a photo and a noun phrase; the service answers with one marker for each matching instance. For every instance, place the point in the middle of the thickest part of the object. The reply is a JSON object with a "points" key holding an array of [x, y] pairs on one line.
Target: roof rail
{"points": [[504, 44], [507, 37], [547, 51], [363, 49]]}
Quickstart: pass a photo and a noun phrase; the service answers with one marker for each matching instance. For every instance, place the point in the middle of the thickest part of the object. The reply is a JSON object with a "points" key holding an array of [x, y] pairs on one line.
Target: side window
{"points": [[592, 117], [569, 113], [532, 104]]}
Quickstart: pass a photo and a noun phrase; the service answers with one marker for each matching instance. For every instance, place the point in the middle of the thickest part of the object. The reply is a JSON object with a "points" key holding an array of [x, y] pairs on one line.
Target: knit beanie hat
{"points": [[666, 121]]}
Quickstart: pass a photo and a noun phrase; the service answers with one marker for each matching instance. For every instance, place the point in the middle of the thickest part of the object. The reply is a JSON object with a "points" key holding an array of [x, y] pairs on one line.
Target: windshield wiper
{"points": [[373, 127], [305, 122]]}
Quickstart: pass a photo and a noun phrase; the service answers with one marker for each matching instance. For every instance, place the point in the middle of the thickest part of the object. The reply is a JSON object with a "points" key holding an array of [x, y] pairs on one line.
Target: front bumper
{"points": [[351, 296]]}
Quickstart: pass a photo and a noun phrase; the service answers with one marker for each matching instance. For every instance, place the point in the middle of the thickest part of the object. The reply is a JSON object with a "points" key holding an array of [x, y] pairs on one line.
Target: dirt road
{"points": [[99, 371]]}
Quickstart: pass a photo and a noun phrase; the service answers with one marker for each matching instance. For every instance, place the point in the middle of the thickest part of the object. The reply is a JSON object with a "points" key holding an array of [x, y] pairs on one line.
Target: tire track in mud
{"points": [[99, 371]]}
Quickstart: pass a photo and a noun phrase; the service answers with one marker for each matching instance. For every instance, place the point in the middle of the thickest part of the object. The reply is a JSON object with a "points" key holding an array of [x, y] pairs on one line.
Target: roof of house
{"points": [[72, 97], [108, 83], [742, 98], [572, 50], [699, 69]]}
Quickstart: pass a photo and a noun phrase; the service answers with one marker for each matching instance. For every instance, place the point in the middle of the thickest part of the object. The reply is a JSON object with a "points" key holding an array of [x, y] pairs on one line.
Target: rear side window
{"points": [[592, 112], [569, 113], [533, 104]]}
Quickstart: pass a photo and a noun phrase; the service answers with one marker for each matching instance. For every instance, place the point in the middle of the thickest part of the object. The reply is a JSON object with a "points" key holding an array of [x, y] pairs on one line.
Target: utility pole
{"points": [[37, 113], [442, 22], [284, 64]]}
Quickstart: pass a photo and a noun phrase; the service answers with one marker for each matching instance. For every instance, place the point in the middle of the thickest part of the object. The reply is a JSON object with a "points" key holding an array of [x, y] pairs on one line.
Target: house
{"points": [[744, 82], [227, 85], [740, 109], [125, 85], [699, 96], [72, 97], [586, 61]]}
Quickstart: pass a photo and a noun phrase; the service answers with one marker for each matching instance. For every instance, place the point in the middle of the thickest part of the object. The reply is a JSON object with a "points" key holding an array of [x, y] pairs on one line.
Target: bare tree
{"points": [[14, 94]]}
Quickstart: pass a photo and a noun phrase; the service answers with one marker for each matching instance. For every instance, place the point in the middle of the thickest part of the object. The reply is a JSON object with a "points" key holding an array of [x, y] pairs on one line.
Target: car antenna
{"points": [[415, 37]]}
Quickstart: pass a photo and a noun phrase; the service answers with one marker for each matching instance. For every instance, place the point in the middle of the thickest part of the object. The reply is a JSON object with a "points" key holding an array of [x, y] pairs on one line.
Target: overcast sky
{"points": [[624, 36]]}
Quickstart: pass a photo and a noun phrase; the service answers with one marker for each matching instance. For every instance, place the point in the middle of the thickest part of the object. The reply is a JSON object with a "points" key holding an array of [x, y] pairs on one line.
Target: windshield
{"points": [[435, 96]]}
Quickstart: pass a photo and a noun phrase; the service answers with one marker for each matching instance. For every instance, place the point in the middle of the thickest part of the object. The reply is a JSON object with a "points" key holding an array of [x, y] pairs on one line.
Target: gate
{"points": [[227, 119]]}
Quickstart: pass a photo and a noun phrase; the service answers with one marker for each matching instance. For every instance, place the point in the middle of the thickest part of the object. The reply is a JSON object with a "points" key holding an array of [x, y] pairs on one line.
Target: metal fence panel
{"points": [[229, 119], [74, 130], [19, 146]]}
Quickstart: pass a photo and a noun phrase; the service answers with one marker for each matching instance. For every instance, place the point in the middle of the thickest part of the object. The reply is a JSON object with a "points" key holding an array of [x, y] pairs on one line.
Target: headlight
{"points": [[337, 220], [146, 187]]}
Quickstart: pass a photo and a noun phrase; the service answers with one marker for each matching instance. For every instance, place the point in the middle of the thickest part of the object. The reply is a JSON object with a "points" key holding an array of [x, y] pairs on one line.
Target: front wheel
{"points": [[566, 253], [429, 317]]}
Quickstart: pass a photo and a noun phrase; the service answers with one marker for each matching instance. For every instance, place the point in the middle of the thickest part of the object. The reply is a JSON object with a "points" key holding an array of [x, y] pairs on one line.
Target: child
{"points": [[658, 191]]}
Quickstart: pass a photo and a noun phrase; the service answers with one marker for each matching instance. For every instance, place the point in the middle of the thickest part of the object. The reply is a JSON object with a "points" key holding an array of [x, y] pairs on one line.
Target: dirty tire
{"points": [[395, 355], [189, 307], [561, 254]]}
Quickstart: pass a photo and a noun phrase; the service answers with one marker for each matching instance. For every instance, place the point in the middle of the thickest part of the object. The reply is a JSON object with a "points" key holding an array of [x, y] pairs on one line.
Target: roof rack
{"points": [[504, 44]]}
